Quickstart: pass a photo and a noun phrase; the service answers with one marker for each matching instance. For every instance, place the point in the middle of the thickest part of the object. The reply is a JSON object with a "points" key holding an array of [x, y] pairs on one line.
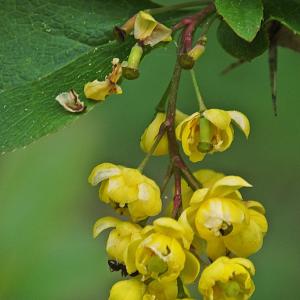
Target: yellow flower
{"points": [[119, 238], [127, 190], [152, 130], [132, 289], [98, 90], [224, 220], [212, 132], [162, 253], [227, 279], [149, 31]]}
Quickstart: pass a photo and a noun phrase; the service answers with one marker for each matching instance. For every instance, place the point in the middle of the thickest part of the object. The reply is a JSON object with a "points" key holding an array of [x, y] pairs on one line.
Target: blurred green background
{"points": [[47, 208]]}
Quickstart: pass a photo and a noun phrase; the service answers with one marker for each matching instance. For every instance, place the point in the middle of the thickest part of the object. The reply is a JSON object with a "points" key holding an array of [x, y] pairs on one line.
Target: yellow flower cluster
{"points": [[164, 257]]}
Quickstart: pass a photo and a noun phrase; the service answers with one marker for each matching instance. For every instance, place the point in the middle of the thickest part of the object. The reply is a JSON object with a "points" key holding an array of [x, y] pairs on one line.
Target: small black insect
{"points": [[115, 266]]}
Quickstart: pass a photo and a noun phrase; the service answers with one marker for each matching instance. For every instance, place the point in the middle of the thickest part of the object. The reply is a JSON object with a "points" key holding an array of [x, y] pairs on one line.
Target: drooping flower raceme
{"points": [[227, 279], [151, 132], [149, 31], [224, 220], [209, 132], [127, 190], [98, 90]]}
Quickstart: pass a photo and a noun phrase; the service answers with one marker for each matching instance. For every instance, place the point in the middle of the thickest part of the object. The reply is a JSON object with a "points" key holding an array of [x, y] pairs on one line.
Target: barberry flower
{"points": [[149, 31], [224, 220], [163, 253], [98, 90], [151, 132], [127, 190], [227, 279], [210, 132], [119, 238]]}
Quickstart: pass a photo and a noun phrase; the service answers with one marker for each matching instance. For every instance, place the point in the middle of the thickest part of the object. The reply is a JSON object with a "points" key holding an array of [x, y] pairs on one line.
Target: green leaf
{"points": [[240, 48], [286, 12], [243, 16], [48, 47]]}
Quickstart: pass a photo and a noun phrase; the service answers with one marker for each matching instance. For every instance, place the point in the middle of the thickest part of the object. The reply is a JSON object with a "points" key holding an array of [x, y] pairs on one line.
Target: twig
{"points": [[190, 23], [232, 66], [179, 167]]}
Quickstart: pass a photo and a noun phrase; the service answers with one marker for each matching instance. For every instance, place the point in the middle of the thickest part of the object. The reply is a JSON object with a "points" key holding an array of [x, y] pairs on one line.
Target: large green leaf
{"points": [[240, 48], [48, 47], [243, 16], [286, 12]]}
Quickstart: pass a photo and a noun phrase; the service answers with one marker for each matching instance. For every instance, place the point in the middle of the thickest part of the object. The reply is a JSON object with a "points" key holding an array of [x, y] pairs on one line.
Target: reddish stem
{"points": [[190, 23]]}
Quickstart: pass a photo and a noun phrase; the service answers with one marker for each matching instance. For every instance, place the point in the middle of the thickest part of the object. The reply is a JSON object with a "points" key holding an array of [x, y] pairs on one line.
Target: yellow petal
{"points": [[255, 205], [215, 248], [129, 256], [208, 177], [103, 172], [245, 263], [161, 33], [104, 223], [191, 268], [148, 202], [144, 25], [198, 196], [162, 290], [241, 121], [149, 136], [226, 138], [227, 185], [127, 290], [220, 118], [97, 90], [173, 228]]}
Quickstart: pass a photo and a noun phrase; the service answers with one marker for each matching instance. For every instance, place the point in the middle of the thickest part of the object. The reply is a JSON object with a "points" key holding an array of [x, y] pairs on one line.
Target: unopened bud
{"points": [[130, 70], [205, 136], [198, 50]]}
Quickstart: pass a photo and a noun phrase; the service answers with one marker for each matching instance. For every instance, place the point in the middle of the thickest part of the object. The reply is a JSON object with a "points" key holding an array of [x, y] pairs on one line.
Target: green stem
{"points": [[169, 8], [202, 106]]}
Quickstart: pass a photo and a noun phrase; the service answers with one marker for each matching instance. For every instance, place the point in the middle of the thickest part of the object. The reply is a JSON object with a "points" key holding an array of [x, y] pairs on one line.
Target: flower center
{"points": [[157, 265], [231, 288]]}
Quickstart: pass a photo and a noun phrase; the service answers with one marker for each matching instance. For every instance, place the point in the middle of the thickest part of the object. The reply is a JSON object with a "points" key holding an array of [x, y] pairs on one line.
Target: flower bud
{"points": [[187, 60]]}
